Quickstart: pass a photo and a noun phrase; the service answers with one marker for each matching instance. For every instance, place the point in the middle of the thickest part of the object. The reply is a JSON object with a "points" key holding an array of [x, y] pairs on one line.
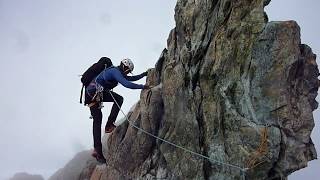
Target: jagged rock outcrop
{"points": [[227, 77], [230, 85], [80, 167], [26, 176]]}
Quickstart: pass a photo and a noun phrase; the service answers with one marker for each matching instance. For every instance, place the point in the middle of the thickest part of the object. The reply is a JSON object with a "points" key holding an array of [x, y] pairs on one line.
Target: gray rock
{"points": [[226, 75], [80, 167], [26, 176], [231, 86]]}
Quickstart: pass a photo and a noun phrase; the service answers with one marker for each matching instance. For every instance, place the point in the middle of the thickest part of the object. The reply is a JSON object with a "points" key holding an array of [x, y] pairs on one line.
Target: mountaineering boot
{"points": [[94, 153], [110, 128], [99, 157]]}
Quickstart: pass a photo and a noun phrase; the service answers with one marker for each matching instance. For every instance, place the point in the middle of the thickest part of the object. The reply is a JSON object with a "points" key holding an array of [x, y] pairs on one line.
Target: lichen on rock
{"points": [[231, 86], [226, 76]]}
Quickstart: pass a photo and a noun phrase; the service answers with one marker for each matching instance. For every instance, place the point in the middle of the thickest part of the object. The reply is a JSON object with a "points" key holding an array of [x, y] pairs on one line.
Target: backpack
{"points": [[93, 72]]}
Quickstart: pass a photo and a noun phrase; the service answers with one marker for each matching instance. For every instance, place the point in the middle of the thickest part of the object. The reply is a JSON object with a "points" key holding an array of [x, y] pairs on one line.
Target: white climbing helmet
{"points": [[128, 63]]}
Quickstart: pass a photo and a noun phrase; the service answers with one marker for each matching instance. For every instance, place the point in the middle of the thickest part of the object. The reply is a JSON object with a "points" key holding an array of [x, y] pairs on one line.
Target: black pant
{"points": [[97, 117]]}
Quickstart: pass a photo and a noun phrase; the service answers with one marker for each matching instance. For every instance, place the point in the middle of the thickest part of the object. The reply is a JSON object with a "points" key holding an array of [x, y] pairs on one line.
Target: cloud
{"points": [[78, 146], [157, 47], [21, 41], [105, 19]]}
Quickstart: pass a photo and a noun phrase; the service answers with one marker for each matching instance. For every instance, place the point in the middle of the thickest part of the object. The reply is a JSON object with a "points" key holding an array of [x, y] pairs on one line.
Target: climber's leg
{"points": [[115, 109]]}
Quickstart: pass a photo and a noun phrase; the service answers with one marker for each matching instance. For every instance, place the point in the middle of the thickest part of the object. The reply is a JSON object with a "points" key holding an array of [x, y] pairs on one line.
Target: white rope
{"points": [[242, 170]]}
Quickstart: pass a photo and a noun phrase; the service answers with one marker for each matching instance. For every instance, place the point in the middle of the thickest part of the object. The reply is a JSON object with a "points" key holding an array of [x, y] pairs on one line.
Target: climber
{"points": [[99, 90]]}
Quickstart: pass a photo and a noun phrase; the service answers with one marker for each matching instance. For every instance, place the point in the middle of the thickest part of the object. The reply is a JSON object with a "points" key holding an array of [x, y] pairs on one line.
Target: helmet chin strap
{"points": [[127, 71]]}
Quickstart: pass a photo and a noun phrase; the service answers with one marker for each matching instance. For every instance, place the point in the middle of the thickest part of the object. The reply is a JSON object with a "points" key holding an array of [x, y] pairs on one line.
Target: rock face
{"points": [[80, 167], [26, 176], [231, 86]]}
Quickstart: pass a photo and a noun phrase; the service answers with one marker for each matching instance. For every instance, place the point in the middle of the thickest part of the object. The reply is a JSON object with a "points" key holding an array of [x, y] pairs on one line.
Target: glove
{"points": [[147, 87], [147, 72]]}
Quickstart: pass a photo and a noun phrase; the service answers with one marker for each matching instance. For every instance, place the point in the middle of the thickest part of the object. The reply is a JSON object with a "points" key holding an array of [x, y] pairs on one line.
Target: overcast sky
{"points": [[45, 45]]}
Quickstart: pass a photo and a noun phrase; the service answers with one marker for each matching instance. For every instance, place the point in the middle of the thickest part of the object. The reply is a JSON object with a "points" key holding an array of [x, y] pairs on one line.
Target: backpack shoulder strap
{"points": [[81, 94], [109, 67]]}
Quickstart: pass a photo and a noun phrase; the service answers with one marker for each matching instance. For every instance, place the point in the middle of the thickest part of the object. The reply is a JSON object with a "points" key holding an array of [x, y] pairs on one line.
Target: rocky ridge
{"points": [[231, 86], [26, 176]]}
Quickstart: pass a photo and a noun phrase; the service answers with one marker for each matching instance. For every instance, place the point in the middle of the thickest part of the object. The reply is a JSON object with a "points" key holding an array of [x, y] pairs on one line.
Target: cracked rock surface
{"points": [[226, 76], [231, 86]]}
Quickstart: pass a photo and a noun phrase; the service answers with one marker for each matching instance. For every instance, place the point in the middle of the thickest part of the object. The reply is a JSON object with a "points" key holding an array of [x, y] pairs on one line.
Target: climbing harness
{"points": [[98, 95], [242, 170]]}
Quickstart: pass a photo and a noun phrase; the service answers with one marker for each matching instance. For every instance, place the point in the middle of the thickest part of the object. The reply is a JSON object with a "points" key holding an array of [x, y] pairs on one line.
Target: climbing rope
{"points": [[242, 170]]}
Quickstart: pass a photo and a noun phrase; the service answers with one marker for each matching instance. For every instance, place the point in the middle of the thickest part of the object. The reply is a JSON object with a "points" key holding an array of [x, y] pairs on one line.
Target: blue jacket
{"points": [[110, 77]]}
